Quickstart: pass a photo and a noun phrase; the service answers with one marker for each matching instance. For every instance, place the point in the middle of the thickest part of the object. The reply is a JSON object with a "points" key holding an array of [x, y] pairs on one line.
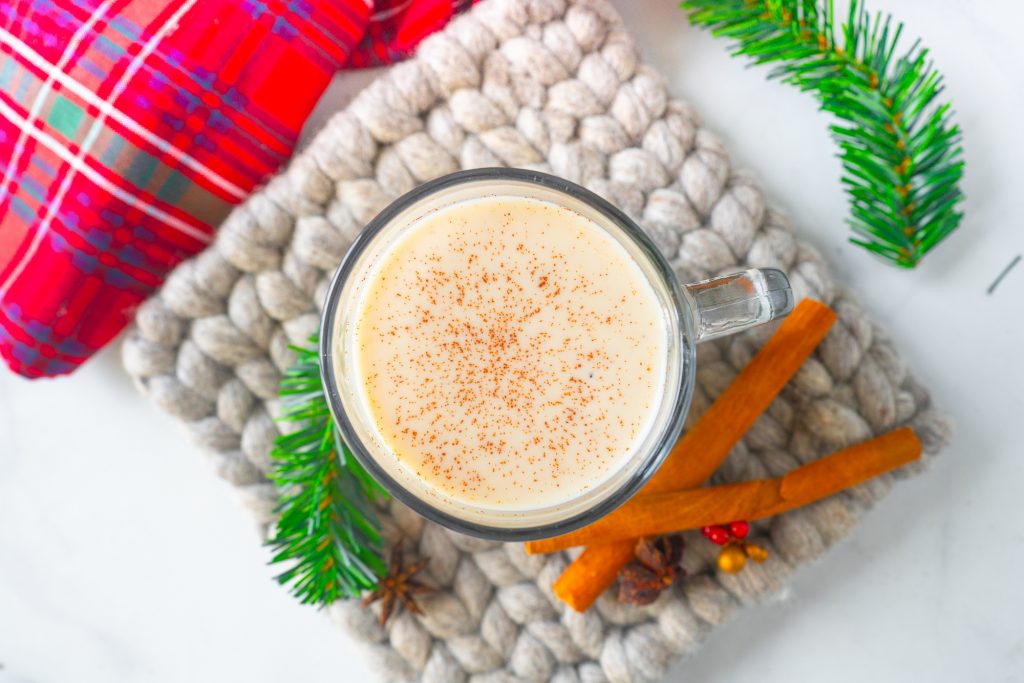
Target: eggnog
{"points": [[509, 352]]}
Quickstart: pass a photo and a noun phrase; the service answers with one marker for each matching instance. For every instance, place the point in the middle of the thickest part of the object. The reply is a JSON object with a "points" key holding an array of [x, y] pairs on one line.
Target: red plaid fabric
{"points": [[128, 129]]}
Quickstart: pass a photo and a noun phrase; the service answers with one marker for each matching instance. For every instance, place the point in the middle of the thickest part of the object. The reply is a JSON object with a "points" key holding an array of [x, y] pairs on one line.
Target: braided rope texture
{"points": [[554, 85]]}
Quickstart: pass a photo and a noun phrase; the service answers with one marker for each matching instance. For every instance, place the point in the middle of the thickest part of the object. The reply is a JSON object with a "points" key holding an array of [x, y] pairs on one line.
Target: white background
{"points": [[123, 558]]}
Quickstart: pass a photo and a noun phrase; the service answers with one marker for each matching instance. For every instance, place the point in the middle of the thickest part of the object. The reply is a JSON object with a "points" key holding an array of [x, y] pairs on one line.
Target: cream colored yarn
{"points": [[552, 85]]}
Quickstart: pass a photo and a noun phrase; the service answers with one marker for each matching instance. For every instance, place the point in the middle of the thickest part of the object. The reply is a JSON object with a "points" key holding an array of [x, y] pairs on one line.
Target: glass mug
{"points": [[692, 313]]}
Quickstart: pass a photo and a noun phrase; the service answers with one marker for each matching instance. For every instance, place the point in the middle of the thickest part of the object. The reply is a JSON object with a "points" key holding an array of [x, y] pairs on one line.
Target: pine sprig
{"points": [[328, 532], [899, 147]]}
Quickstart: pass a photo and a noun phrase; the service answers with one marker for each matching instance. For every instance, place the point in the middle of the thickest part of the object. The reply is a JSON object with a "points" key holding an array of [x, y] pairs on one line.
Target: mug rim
{"points": [[651, 461]]}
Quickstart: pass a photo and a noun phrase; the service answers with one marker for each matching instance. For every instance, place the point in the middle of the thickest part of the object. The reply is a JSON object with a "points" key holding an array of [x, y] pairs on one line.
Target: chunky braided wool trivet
{"points": [[556, 86]]}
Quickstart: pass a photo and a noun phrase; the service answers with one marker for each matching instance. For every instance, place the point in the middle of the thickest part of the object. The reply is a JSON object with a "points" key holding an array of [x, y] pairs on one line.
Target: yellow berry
{"points": [[731, 560], [755, 552]]}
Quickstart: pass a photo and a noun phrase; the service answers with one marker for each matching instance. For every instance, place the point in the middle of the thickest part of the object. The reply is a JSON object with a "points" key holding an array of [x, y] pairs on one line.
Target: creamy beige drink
{"points": [[509, 352]]}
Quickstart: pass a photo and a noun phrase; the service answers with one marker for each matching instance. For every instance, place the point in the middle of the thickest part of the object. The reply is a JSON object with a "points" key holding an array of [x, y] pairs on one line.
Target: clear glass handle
{"points": [[733, 303]]}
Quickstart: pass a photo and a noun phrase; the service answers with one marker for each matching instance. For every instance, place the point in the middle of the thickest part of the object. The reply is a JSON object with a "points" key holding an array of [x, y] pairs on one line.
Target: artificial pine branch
{"points": [[900, 150], [328, 532]]}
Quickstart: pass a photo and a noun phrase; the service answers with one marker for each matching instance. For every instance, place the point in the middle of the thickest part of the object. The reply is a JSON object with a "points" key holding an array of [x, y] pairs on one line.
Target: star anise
{"points": [[655, 569], [398, 587]]}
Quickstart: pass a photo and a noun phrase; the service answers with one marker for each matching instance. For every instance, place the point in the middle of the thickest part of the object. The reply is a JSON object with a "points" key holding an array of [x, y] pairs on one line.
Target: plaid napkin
{"points": [[128, 129]]}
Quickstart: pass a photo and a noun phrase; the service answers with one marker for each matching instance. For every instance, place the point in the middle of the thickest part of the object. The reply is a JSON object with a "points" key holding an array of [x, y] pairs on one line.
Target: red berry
{"points": [[739, 529], [717, 534]]}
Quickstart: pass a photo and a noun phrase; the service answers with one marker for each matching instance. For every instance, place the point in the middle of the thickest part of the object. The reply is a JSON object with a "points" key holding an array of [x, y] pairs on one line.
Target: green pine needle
{"points": [[900, 149], [328, 533]]}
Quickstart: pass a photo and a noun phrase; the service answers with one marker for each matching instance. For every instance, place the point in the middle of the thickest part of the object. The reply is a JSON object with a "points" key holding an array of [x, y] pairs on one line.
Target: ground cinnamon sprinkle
{"points": [[511, 353]]}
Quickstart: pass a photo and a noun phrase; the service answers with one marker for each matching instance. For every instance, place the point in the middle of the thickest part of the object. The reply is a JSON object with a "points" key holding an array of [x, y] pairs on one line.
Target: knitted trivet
{"points": [[555, 86]]}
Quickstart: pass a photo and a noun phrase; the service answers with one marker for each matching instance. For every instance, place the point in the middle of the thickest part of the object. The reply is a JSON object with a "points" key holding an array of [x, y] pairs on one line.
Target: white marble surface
{"points": [[122, 558]]}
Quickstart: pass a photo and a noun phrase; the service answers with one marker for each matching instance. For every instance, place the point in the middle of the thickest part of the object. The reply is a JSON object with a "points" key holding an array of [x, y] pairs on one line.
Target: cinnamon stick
{"points": [[701, 450], [838, 471], [671, 511]]}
